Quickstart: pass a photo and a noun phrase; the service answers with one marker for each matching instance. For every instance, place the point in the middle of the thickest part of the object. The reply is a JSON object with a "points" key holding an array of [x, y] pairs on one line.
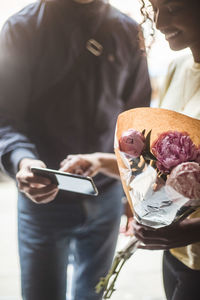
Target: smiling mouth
{"points": [[171, 35]]}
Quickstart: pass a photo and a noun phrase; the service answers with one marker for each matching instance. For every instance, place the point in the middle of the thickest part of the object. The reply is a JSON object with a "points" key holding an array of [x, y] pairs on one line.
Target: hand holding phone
{"points": [[67, 181], [37, 189]]}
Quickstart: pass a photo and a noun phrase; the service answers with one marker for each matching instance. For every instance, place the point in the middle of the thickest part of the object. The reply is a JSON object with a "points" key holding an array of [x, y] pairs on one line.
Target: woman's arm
{"points": [[180, 234]]}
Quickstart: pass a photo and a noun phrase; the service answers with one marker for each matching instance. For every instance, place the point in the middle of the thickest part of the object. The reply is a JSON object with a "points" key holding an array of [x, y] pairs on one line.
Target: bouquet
{"points": [[158, 155]]}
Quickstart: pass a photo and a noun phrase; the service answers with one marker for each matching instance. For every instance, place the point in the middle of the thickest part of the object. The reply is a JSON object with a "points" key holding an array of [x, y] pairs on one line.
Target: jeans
{"points": [[45, 233], [180, 282]]}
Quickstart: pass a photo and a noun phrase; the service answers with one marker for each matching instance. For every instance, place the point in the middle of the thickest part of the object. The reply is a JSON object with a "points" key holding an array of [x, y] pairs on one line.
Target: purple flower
{"points": [[132, 142], [185, 179], [197, 159], [173, 148]]}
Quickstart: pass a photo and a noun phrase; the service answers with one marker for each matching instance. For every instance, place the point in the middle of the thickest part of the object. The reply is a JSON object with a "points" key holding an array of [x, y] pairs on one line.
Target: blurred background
{"points": [[141, 277]]}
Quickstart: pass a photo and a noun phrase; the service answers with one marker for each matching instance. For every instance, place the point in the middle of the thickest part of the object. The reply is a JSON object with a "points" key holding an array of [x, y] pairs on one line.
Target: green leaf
{"points": [[146, 152], [135, 162], [148, 137], [148, 156]]}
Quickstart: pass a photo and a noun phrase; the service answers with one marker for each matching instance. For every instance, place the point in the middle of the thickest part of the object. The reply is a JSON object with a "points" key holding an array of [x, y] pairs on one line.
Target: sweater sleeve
{"points": [[15, 87]]}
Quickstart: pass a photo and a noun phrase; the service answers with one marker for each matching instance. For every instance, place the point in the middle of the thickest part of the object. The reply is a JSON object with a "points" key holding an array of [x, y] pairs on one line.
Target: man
{"points": [[67, 69]]}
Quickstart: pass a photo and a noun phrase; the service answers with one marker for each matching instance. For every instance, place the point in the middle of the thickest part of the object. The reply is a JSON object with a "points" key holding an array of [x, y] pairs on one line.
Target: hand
{"points": [[91, 164], [81, 164], [179, 234], [37, 188], [127, 228]]}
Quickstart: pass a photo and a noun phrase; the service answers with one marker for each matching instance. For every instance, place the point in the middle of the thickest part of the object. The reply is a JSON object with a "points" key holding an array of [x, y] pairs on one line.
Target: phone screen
{"points": [[68, 182]]}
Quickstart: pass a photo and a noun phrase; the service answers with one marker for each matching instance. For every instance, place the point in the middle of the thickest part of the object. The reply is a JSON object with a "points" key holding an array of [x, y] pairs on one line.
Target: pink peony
{"points": [[185, 179], [132, 142], [172, 148], [197, 159]]}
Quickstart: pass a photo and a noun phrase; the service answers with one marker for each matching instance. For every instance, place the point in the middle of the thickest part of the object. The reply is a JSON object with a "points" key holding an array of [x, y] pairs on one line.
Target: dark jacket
{"points": [[44, 114]]}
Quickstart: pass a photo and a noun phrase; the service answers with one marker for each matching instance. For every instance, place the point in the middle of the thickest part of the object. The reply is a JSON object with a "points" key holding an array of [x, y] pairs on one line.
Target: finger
{"points": [[146, 231], [24, 187], [62, 162], [30, 178], [78, 171], [153, 247], [78, 168], [153, 239], [46, 190], [45, 198], [68, 157], [148, 237], [21, 186], [122, 229], [138, 225], [71, 169], [129, 232], [90, 171], [41, 180], [139, 230], [161, 246], [126, 231], [66, 160], [71, 156], [145, 234], [69, 166]]}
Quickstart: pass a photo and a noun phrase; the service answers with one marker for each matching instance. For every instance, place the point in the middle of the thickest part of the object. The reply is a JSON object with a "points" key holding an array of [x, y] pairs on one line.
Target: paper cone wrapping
{"points": [[159, 121]]}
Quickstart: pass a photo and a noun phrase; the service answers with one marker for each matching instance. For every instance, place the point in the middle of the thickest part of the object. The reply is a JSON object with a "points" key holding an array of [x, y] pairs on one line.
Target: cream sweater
{"points": [[182, 93]]}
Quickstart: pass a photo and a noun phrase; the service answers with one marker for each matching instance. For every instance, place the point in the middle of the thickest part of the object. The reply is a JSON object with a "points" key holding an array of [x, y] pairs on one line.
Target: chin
{"points": [[176, 47]]}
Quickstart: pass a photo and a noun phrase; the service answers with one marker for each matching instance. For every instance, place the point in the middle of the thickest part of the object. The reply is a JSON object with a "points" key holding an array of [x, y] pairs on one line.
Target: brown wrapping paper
{"points": [[158, 120]]}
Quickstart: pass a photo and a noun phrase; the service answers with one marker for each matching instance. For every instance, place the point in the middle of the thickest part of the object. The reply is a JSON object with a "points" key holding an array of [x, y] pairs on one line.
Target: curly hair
{"points": [[144, 12], [146, 17]]}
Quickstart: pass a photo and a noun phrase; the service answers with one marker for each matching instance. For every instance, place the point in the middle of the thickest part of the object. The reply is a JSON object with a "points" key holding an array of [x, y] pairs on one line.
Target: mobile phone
{"points": [[67, 181]]}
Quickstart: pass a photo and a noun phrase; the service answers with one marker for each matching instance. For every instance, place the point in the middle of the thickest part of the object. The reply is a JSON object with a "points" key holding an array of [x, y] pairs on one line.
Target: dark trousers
{"points": [[180, 282], [45, 233]]}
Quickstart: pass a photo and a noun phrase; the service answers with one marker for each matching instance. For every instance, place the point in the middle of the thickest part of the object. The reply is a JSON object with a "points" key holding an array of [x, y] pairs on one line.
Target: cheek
{"points": [[192, 33], [190, 25]]}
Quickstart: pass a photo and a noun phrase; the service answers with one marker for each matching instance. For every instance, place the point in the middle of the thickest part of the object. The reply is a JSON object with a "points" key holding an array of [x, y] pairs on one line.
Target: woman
{"points": [[179, 21]]}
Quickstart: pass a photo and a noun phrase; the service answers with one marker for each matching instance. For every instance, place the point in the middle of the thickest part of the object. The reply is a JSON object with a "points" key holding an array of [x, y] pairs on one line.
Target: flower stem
{"points": [[108, 283]]}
